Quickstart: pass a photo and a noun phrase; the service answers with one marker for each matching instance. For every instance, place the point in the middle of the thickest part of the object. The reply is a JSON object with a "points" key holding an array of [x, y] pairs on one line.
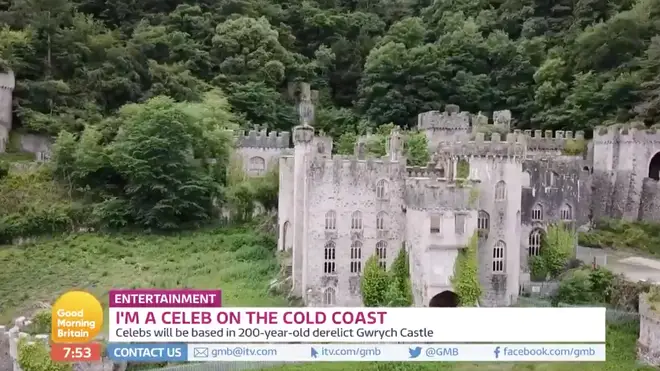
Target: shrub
{"points": [[557, 249], [36, 357], [374, 284], [644, 236], [466, 275]]}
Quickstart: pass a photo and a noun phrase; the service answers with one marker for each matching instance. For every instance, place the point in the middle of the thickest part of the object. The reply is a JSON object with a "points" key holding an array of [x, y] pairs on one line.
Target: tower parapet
{"points": [[451, 119], [513, 146], [263, 139], [548, 140]]}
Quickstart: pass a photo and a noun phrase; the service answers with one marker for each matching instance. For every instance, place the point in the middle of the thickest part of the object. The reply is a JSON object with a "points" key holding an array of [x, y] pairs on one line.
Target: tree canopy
{"points": [[556, 64]]}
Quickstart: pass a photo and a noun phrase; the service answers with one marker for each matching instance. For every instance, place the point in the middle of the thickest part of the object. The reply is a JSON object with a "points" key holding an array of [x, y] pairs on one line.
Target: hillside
{"points": [[557, 64]]}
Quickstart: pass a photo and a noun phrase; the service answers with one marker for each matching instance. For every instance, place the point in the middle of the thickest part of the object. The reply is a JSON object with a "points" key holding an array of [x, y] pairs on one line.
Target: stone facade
{"points": [[648, 345]]}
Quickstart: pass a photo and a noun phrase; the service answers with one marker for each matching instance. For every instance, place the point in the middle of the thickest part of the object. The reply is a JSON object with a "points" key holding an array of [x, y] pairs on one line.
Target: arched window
{"points": [[551, 179], [483, 221], [329, 296], [381, 252], [330, 221], [381, 189], [329, 258], [566, 212], [356, 221], [537, 212], [381, 220], [526, 179], [356, 257], [500, 191], [256, 165], [498, 257], [535, 240]]}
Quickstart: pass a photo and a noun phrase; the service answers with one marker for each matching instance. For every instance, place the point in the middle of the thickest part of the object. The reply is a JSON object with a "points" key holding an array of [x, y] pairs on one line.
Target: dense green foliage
{"points": [[465, 279], [619, 234], [557, 249], [557, 64], [387, 288]]}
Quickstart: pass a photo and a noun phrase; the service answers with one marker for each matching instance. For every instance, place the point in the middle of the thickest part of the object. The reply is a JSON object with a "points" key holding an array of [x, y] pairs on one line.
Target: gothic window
{"points": [[330, 221], [483, 221], [500, 191], [381, 189], [498, 257], [566, 212], [551, 179], [537, 213], [441, 171], [257, 165], [381, 220], [381, 252], [356, 221], [459, 223], [535, 239], [329, 258], [356, 257], [329, 297], [436, 223]]}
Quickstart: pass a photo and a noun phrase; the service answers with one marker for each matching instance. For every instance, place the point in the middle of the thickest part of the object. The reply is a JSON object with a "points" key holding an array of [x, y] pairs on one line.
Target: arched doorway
{"points": [[654, 167], [445, 299]]}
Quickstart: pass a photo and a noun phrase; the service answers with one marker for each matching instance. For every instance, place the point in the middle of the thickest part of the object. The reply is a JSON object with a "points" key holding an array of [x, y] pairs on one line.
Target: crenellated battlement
{"points": [[429, 193], [513, 146], [263, 139], [548, 140], [429, 171], [451, 119], [635, 132]]}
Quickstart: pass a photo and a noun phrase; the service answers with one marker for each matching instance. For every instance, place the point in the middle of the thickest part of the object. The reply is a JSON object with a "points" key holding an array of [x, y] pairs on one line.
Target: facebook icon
{"points": [[497, 352]]}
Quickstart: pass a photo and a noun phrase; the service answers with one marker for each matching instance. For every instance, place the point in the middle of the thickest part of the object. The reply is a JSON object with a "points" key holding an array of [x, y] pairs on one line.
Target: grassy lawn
{"points": [[621, 341], [238, 261], [639, 236]]}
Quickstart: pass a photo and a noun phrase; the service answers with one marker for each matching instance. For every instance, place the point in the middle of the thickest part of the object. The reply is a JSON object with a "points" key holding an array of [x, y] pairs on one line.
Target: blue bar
{"points": [[148, 352]]}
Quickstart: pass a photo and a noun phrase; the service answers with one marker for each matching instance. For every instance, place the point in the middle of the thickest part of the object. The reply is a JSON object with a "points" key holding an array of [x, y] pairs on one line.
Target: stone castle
{"points": [[336, 211]]}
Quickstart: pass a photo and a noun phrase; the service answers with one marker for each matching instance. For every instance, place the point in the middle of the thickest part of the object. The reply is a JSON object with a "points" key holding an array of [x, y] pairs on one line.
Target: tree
{"points": [[374, 284]]}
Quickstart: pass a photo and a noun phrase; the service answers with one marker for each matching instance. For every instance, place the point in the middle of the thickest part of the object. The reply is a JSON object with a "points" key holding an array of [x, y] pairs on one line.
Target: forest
{"points": [[557, 64]]}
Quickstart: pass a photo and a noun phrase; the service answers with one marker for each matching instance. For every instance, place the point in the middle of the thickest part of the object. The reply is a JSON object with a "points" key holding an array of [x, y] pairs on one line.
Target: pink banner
{"points": [[158, 298]]}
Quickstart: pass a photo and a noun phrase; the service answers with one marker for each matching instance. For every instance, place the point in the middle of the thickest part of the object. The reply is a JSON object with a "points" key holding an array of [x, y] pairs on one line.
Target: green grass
{"points": [[238, 261], [618, 234], [621, 341], [17, 156]]}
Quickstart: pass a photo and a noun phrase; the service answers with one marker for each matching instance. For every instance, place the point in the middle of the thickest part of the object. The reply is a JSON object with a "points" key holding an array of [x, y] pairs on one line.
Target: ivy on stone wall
{"points": [[474, 197], [574, 147], [374, 284], [556, 251], [462, 169], [399, 293], [465, 280], [34, 356]]}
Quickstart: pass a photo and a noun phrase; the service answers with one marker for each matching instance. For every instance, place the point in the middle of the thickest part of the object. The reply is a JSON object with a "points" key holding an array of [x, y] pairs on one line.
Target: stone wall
{"points": [[648, 345], [10, 339]]}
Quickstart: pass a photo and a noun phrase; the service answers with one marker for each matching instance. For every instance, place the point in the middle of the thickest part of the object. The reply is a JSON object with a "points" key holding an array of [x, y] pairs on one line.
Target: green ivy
{"points": [[537, 268], [374, 284], [34, 356], [557, 249], [574, 147], [474, 197], [466, 275], [400, 290], [462, 169]]}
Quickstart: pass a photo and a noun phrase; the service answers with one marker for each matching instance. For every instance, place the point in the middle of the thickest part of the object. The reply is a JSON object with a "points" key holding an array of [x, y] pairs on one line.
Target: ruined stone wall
{"points": [[547, 142], [552, 196], [650, 201], [260, 150], [354, 207], [648, 344]]}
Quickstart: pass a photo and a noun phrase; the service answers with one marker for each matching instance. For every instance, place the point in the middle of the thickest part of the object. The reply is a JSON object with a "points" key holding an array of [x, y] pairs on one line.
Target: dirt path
{"points": [[635, 267]]}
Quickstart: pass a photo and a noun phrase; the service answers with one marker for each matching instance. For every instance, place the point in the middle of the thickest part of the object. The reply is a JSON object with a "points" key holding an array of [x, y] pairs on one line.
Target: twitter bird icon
{"points": [[415, 352]]}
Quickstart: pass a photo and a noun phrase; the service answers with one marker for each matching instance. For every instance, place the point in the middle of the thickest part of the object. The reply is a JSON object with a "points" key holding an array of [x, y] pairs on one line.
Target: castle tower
{"points": [[7, 82], [303, 141], [497, 164], [446, 126]]}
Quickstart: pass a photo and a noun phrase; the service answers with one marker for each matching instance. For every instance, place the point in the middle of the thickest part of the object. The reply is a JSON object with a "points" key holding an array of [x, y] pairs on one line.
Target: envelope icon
{"points": [[201, 352]]}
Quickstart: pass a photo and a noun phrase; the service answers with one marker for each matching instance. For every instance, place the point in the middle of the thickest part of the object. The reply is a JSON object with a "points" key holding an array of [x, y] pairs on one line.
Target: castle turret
{"points": [[444, 126]]}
